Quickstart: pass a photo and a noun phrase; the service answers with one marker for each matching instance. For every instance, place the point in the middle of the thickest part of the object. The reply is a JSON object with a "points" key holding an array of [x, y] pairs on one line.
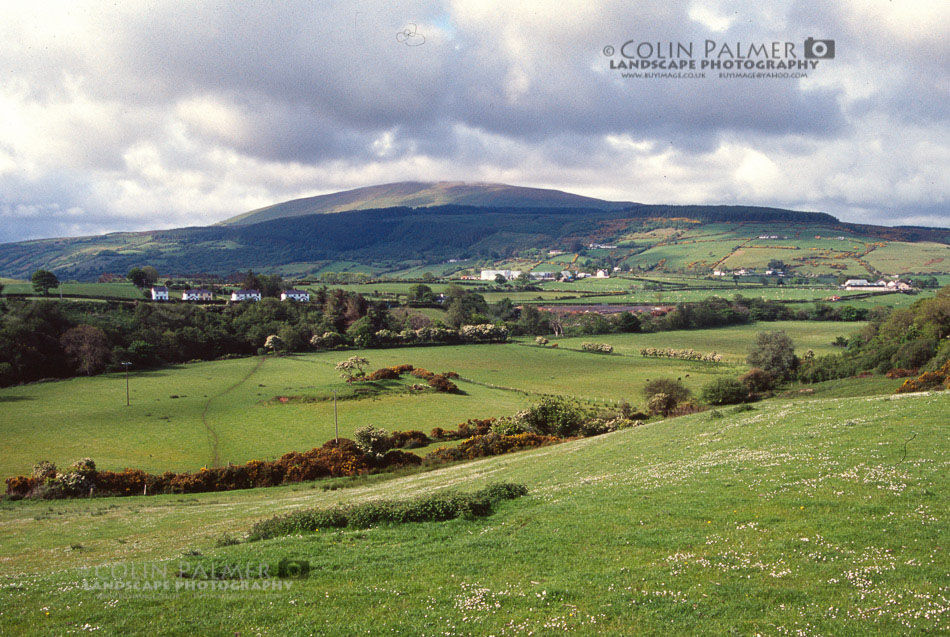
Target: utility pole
{"points": [[128, 397], [336, 421]]}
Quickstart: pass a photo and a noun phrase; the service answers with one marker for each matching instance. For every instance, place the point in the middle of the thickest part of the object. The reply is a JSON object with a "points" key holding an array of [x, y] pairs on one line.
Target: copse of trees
{"points": [[905, 339]]}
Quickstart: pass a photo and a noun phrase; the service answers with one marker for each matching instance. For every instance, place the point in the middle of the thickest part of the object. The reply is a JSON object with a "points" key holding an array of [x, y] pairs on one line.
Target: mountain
{"points": [[492, 224], [419, 194]]}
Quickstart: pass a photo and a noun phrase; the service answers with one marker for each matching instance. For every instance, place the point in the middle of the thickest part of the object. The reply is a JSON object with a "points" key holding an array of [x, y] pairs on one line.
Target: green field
{"points": [[805, 517], [185, 417], [99, 290]]}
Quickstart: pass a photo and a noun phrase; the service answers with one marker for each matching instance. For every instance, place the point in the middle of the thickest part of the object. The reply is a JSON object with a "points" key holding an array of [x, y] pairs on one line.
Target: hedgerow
{"points": [[431, 508]]}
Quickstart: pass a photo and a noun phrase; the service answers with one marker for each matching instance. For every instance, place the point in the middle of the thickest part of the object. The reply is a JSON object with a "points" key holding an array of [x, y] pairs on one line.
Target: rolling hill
{"points": [[417, 194], [480, 224]]}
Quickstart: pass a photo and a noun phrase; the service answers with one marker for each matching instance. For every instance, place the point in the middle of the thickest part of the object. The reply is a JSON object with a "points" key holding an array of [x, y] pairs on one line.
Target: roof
{"points": [[246, 292], [159, 288], [296, 292], [198, 291]]}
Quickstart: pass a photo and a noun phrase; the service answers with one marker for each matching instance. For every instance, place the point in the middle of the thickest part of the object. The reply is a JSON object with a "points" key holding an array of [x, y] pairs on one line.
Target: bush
{"points": [[442, 384], [597, 348], [674, 389], [430, 508], [555, 415], [757, 380], [661, 404], [541, 341], [44, 469], [725, 391], [373, 440], [490, 444]]}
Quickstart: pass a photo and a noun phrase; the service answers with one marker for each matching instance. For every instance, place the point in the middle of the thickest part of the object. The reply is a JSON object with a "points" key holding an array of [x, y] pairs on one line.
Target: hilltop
{"points": [[419, 194]]}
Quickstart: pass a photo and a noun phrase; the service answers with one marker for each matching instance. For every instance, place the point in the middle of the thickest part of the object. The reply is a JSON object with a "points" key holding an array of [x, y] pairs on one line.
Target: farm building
{"points": [[197, 295], [295, 295], [160, 293], [246, 295], [489, 275]]}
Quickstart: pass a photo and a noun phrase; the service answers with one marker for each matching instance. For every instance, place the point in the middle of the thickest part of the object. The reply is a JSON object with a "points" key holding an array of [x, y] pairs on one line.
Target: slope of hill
{"points": [[506, 222], [798, 517], [416, 194]]}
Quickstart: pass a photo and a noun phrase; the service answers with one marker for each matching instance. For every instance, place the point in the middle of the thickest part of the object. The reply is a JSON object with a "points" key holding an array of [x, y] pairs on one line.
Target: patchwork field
{"points": [[809, 517], [189, 416]]}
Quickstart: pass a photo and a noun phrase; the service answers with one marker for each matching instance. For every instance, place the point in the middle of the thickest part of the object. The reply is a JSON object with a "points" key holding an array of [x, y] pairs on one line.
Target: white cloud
{"points": [[138, 116]]}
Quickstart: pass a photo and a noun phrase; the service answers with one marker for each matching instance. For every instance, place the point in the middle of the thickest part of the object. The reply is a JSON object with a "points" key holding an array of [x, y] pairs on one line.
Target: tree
{"points": [[421, 293], [87, 348], [352, 368], [1, 289], [775, 353], [500, 279], [151, 275], [43, 281], [137, 277]]}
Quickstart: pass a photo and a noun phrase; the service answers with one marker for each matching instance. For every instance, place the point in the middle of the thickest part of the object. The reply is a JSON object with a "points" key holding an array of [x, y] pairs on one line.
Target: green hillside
{"points": [[416, 194], [798, 517], [655, 239]]}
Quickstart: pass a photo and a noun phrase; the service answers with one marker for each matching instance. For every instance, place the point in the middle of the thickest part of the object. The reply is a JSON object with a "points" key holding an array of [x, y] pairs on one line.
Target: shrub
{"points": [[674, 389], [429, 508], [373, 440], [541, 341], [44, 469], [329, 340], [488, 445], [725, 391], [555, 415], [757, 380], [421, 372], [512, 425], [352, 368], [661, 404], [442, 384], [409, 439], [597, 348]]}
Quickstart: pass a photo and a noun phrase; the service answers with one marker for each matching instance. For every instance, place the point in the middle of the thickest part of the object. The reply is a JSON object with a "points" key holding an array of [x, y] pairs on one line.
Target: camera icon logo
{"points": [[289, 568], [819, 49]]}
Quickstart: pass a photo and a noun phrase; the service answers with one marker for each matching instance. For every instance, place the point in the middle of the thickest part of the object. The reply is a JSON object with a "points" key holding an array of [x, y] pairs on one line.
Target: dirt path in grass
{"points": [[212, 434]]}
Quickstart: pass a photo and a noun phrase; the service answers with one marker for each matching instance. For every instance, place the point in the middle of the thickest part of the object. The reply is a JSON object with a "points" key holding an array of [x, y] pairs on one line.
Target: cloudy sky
{"points": [[144, 115]]}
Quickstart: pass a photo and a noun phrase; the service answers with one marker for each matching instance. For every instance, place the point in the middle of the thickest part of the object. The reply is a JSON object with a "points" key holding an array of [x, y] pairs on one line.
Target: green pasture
{"points": [[732, 342], [797, 517], [188, 416], [100, 290]]}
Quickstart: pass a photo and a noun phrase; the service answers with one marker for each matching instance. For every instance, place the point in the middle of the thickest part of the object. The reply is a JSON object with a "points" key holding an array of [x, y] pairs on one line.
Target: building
{"points": [[602, 274], [295, 295], [160, 293], [246, 295], [489, 275], [197, 295], [543, 276]]}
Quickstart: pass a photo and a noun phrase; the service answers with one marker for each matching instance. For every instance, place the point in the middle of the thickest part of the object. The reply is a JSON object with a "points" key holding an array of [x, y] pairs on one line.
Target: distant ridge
{"points": [[419, 194]]}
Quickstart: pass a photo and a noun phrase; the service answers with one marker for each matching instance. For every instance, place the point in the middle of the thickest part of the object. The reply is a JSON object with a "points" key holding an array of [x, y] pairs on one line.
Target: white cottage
{"points": [[160, 293], [301, 296], [246, 295]]}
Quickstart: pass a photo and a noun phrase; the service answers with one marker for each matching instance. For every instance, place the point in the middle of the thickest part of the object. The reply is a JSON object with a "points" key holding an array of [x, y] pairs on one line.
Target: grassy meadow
{"points": [[796, 517], [189, 416]]}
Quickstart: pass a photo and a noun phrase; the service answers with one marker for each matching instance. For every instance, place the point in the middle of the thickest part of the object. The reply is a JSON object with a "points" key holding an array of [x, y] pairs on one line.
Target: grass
{"points": [[189, 416], [808, 516]]}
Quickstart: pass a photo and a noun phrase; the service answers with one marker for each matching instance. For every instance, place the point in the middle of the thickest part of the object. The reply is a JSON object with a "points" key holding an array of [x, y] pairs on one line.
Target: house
{"points": [[720, 272], [543, 276], [489, 275], [567, 275], [160, 293], [295, 295], [602, 274], [197, 295], [902, 286], [857, 283], [246, 295]]}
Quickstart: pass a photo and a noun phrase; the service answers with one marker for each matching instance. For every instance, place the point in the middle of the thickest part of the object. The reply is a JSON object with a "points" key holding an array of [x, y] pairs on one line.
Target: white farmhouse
{"points": [[160, 293], [246, 295], [197, 295], [295, 295], [489, 275]]}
